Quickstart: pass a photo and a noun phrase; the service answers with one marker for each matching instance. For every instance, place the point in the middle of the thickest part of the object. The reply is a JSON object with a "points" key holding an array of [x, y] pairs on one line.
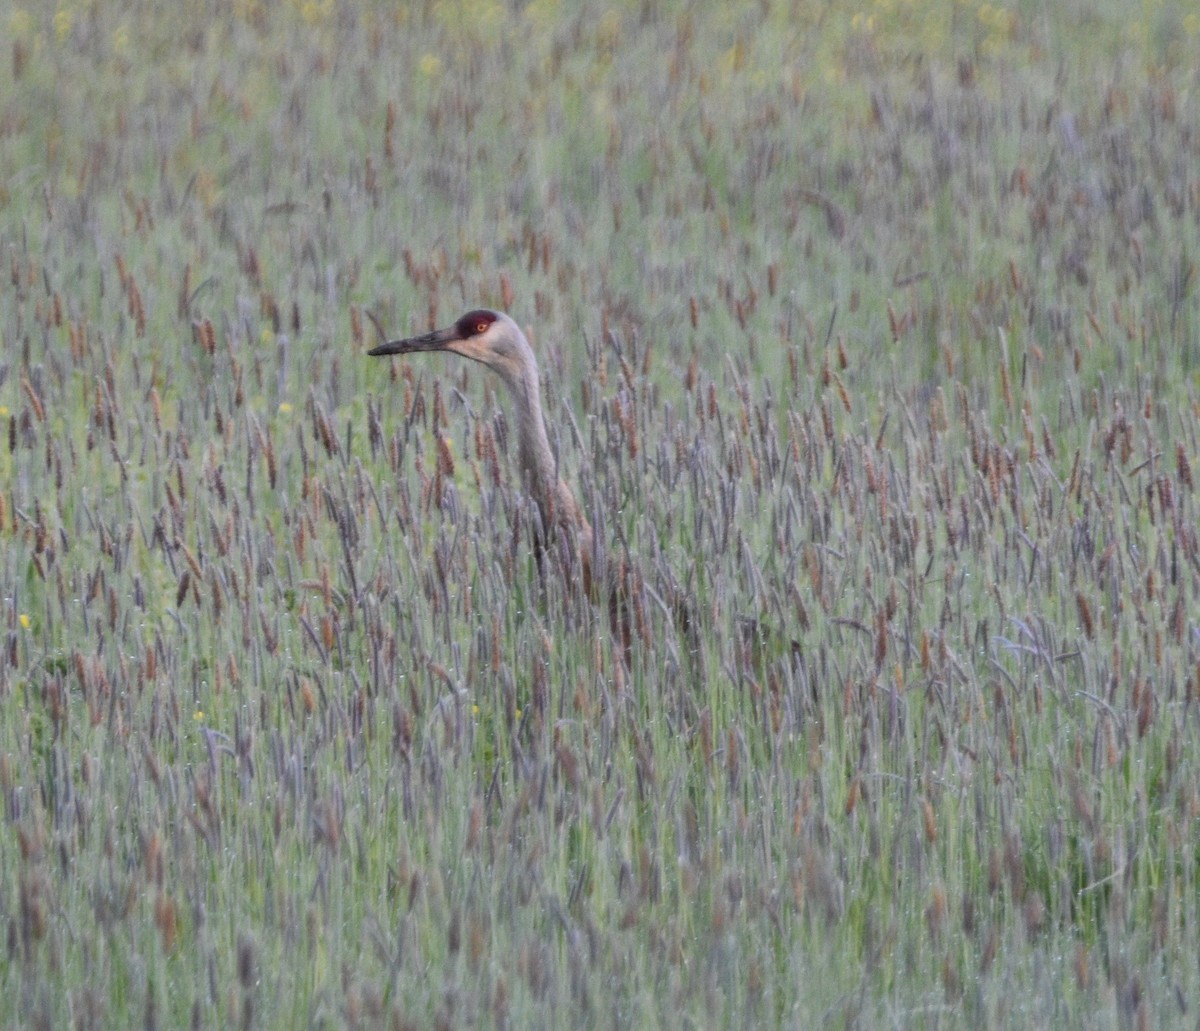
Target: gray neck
{"points": [[537, 459]]}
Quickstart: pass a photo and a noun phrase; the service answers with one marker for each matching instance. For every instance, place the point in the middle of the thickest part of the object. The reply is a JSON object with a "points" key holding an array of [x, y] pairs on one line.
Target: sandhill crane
{"points": [[495, 340]]}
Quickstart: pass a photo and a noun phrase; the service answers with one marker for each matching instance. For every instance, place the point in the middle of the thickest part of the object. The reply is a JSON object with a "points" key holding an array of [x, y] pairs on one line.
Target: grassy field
{"points": [[873, 330]]}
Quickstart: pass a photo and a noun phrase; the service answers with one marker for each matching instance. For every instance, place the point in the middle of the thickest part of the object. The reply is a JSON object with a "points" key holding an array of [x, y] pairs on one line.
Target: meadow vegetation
{"points": [[873, 329]]}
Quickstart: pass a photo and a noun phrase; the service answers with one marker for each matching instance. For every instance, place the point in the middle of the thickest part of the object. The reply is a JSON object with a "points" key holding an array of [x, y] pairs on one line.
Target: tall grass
{"points": [[874, 331]]}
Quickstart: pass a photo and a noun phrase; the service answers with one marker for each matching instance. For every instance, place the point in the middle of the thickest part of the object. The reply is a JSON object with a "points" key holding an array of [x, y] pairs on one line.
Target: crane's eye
{"points": [[475, 323]]}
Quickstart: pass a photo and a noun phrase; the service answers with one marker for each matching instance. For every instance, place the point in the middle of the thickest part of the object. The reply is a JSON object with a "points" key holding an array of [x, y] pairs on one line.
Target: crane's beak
{"points": [[438, 340]]}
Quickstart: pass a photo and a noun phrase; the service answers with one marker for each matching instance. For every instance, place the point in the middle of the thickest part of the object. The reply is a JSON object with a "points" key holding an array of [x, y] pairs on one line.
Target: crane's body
{"points": [[495, 340]]}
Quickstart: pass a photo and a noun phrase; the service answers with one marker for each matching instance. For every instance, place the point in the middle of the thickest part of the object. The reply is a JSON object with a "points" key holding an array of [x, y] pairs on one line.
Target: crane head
{"points": [[486, 336]]}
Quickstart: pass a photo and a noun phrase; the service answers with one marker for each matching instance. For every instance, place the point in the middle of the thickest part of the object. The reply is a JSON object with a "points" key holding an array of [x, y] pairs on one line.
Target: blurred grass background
{"points": [[874, 328]]}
